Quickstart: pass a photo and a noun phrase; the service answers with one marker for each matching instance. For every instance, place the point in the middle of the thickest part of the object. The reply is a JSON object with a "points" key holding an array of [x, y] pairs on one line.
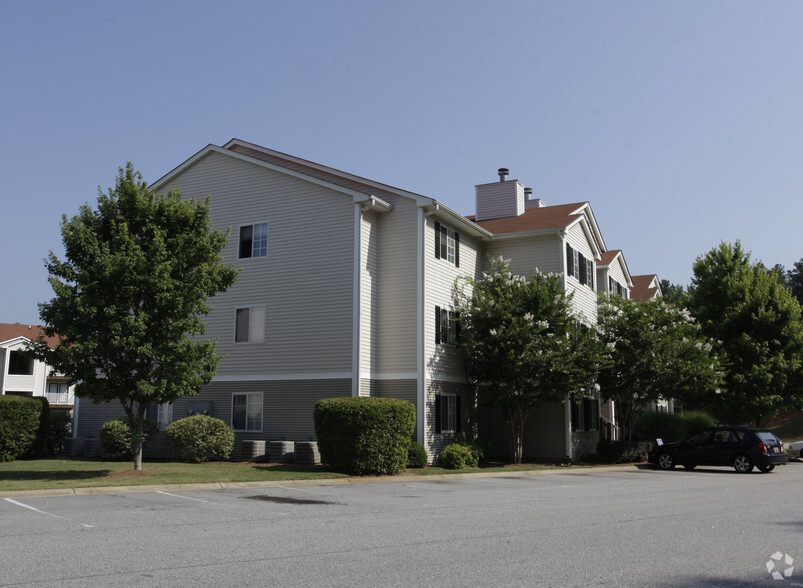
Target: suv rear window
{"points": [[767, 437]]}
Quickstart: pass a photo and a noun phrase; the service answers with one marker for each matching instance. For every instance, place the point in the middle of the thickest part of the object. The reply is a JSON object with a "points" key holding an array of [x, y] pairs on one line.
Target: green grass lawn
{"points": [[49, 474], [80, 473]]}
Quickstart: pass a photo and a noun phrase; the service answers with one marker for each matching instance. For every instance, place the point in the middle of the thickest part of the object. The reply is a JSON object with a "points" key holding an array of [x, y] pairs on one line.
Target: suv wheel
{"points": [[743, 464], [665, 462]]}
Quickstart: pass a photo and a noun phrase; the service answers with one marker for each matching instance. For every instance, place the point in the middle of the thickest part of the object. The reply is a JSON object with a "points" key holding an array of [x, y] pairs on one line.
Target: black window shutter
{"points": [[575, 415], [457, 249], [246, 241], [437, 240], [437, 325], [459, 416], [438, 398], [583, 274], [569, 260], [457, 327]]}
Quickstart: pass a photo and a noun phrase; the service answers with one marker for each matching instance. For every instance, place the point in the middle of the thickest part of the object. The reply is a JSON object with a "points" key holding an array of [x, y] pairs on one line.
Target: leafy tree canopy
{"points": [[794, 279], [655, 351], [524, 344], [674, 293], [130, 293], [757, 323]]}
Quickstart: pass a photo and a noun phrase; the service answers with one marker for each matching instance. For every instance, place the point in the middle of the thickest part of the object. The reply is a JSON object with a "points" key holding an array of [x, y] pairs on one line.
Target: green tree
{"points": [[757, 323], [655, 351], [794, 279], [674, 293], [523, 344], [130, 297]]}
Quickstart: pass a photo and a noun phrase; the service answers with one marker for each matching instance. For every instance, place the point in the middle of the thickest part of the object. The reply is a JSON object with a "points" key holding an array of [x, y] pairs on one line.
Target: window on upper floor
{"points": [[447, 326], [249, 325], [254, 240], [246, 411], [447, 244], [615, 287], [19, 364], [579, 266], [447, 413], [58, 393]]}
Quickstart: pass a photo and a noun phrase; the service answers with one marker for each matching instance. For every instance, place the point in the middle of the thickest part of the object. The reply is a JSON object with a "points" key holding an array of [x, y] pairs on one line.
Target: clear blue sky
{"points": [[679, 121]]}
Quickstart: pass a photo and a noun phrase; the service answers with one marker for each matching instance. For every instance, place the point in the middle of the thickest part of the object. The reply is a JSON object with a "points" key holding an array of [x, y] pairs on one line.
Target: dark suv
{"points": [[740, 447]]}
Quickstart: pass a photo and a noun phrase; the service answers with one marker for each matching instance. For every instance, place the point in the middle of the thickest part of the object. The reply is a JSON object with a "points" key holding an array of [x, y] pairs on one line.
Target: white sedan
{"points": [[795, 449]]}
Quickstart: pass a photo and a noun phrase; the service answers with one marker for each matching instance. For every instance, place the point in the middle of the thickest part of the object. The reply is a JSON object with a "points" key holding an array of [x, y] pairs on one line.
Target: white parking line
{"points": [[180, 496], [47, 513]]}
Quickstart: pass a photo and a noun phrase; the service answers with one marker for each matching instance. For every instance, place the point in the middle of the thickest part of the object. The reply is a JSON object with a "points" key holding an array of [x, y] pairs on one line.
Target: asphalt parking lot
{"points": [[638, 527]]}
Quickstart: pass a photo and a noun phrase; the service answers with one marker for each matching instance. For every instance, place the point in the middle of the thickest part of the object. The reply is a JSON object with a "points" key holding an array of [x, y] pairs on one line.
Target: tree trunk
{"points": [[517, 418], [137, 436]]}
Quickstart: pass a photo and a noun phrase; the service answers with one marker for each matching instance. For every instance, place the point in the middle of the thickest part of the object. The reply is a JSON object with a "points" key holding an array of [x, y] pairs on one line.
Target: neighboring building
{"points": [[347, 289], [645, 287], [23, 376]]}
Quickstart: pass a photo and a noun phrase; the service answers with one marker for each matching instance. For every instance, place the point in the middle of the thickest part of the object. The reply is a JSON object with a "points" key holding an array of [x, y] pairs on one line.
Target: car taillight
{"points": [[762, 448]]}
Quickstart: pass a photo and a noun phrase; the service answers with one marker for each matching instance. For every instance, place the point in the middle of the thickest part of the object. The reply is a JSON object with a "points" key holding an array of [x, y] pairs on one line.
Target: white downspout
{"points": [[567, 403], [356, 297]]}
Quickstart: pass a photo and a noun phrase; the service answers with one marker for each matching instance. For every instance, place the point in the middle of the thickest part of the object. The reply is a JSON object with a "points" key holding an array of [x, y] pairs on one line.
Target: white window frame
{"points": [[259, 248], [253, 321], [248, 405], [58, 397]]}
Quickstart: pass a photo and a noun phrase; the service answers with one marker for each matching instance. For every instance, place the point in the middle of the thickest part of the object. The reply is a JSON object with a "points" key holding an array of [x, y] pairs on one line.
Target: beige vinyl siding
{"points": [[396, 309], [616, 272], [542, 252], [287, 405], [585, 297], [444, 360], [92, 416], [499, 199], [304, 282], [369, 293]]}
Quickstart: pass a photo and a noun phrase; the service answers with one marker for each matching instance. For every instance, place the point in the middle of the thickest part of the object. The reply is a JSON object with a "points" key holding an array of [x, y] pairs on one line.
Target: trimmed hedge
{"points": [[201, 438], [623, 452], [115, 437], [417, 456], [364, 435], [20, 420], [670, 427]]}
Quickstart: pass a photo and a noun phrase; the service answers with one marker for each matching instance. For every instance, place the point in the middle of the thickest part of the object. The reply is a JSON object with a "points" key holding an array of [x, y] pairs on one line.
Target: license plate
{"points": [[776, 449]]}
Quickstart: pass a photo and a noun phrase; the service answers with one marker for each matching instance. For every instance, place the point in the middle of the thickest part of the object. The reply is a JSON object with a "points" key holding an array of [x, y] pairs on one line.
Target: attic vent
{"points": [[528, 193], [503, 172]]}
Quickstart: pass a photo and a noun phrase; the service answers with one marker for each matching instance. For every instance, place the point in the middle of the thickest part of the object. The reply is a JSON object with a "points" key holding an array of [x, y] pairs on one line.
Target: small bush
{"points": [[364, 435], [19, 423], [695, 421], [623, 452], [201, 438], [659, 425], [457, 456], [115, 437], [417, 456], [482, 449]]}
